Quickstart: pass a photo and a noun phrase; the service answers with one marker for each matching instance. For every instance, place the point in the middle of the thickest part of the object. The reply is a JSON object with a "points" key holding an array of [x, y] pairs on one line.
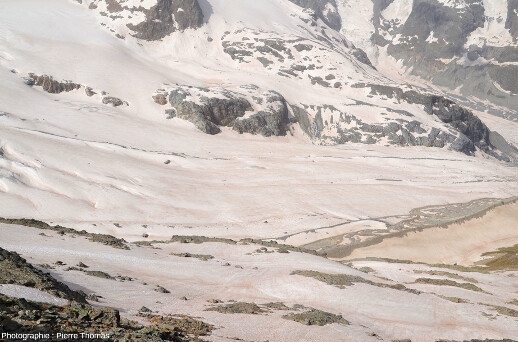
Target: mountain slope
{"points": [[242, 152], [300, 47], [468, 47]]}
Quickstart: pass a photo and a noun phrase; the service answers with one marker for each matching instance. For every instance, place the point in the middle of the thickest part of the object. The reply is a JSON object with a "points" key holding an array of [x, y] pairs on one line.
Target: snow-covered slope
{"points": [[75, 150], [247, 119], [116, 142]]}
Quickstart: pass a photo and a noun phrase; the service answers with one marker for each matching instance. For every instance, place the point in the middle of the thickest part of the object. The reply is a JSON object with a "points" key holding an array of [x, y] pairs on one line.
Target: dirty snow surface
{"points": [[276, 215], [31, 294]]}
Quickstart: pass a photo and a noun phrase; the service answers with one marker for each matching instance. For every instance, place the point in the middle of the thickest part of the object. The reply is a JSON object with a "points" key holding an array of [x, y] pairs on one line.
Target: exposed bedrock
{"points": [[52, 86], [271, 120], [16, 270], [208, 110], [168, 16], [441, 43], [473, 132]]}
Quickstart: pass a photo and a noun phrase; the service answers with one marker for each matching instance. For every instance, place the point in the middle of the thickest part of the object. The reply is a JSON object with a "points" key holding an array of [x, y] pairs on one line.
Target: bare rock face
{"points": [[52, 86], [210, 109], [166, 17], [464, 45], [303, 118], [272, 120], [472, 132]]}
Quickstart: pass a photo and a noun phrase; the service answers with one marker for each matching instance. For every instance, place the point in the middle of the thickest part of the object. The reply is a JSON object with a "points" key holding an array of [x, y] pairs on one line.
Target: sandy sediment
{"points": [[461, 243]]}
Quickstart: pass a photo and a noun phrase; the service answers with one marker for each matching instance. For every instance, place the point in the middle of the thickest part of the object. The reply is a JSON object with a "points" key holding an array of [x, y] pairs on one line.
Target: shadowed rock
{"points": [[472, 131]]}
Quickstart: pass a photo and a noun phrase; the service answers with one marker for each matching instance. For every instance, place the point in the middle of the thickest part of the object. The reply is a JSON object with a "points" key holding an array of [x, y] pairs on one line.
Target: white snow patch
{"points": [[32, 294]]}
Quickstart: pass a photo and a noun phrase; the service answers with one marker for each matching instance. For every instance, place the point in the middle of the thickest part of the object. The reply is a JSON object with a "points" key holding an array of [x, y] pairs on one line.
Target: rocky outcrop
{"points": [[168, 16], [272, 120], [304, 121], [449, 24], [92, 324], [114, 101], [316, 317], [21, 316], [105, 239], [206, 111], [248, 109], [210, 109], [473, 133], [361, 56], [52, 86], [31, 321], [89, 92], [296, 57], [16, 270], [458, 45], [160, 97]]}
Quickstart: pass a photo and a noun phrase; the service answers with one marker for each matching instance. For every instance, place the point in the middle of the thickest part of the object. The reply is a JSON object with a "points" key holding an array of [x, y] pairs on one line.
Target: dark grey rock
{"points": [[319, 80], [318, 125], [28, 81], [361, 56], [303, 47], [469, 70], [166, 17], [264, 61], [303, 118], [16, 270], [472, 132], [114, 101], [210, 112], [271, 121], [89, 92]]}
